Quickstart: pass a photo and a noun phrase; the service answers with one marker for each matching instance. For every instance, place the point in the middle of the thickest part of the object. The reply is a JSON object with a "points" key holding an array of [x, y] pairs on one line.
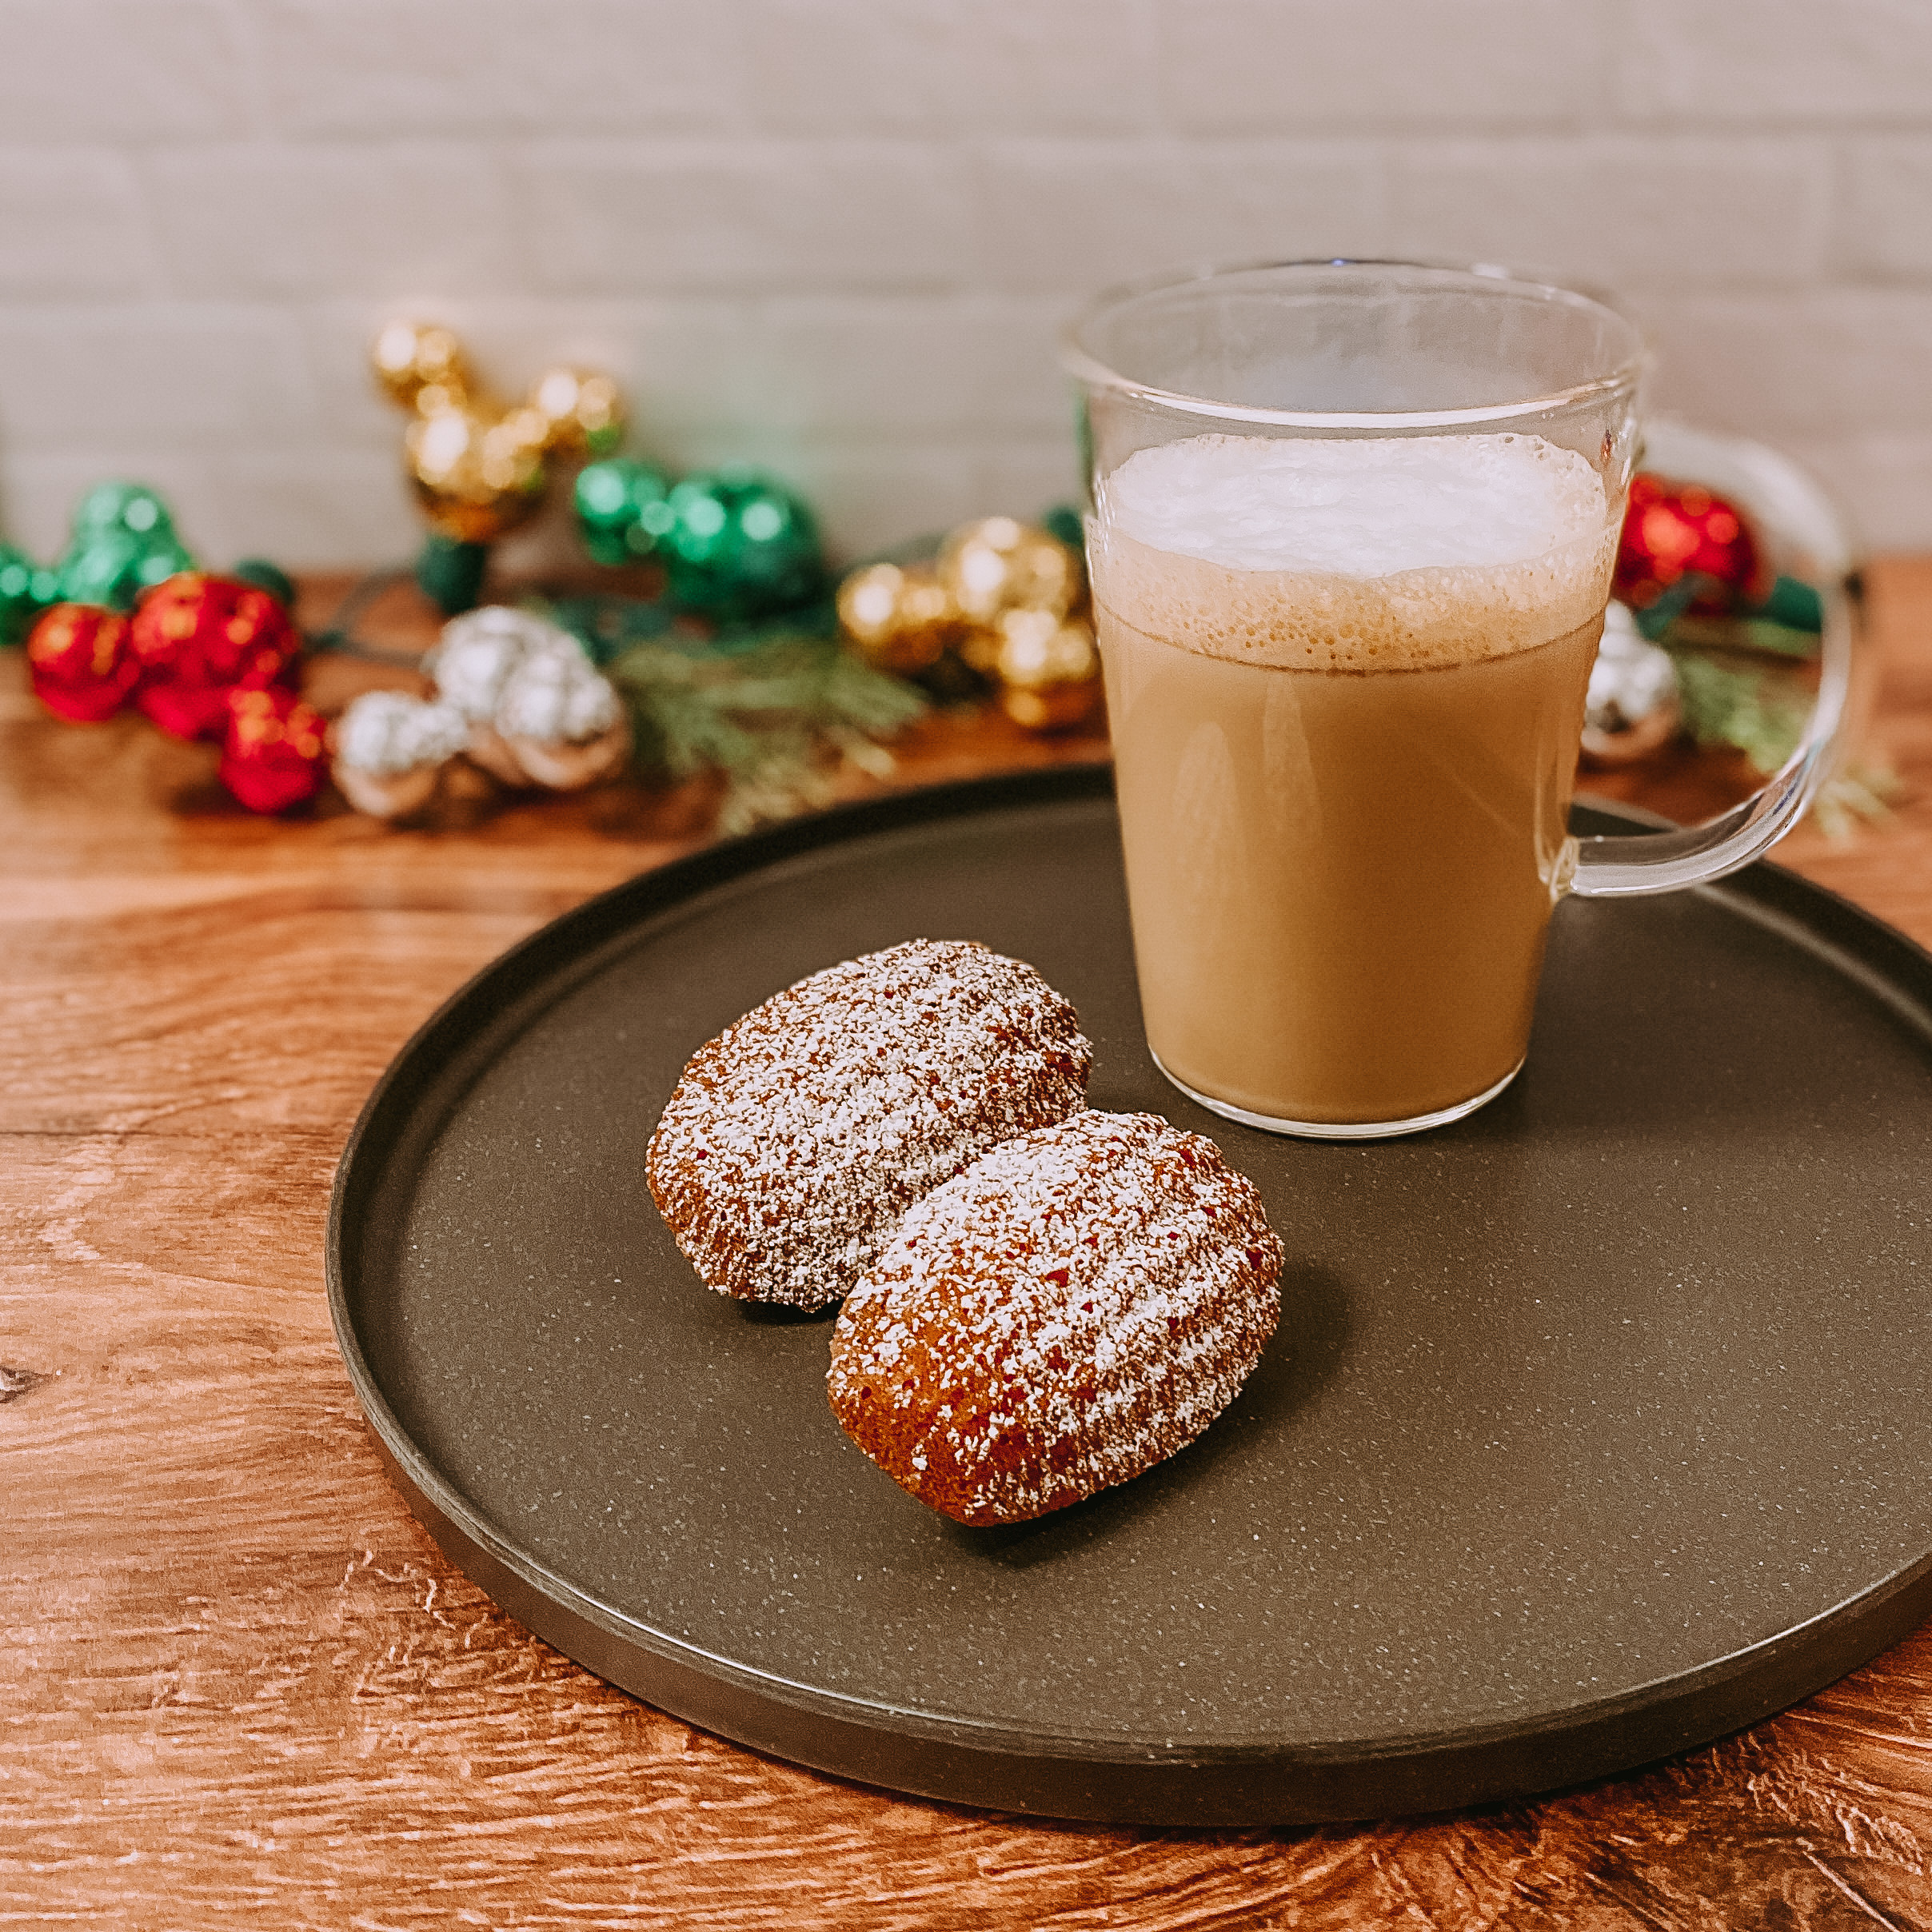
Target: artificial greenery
{"points": [[1739, 680], [1744, 680], [777, 720], [1760, 710], [776, 707]]}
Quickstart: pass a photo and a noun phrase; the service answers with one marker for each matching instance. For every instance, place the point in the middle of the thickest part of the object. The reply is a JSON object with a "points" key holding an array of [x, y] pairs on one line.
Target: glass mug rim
{"points": [[1079, 360]]}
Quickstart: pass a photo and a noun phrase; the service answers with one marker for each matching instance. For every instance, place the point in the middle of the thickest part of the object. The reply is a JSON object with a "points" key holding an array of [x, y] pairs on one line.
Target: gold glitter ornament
{"points": [[999, 564], [581, 411], [476, 473], [411, 358], [1048, 669], [476, 463], [901, 619]]}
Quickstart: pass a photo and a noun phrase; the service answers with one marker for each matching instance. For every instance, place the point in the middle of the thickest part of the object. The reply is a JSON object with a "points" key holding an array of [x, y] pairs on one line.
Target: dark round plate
{"points": [[1596, 1425]]}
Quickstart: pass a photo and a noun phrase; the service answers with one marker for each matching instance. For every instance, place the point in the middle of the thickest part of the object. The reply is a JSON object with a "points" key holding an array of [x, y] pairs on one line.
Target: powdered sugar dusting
{"points": [[797, 1137], [1072, 1309]]}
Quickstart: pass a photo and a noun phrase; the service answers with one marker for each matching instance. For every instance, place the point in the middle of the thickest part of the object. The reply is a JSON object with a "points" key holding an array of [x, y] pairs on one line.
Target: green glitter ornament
{"points": [[741, 545], [622, 509], [450, 573], [132, 508], [25, 591], [123, 543], [1064, 521], [266, 576]]}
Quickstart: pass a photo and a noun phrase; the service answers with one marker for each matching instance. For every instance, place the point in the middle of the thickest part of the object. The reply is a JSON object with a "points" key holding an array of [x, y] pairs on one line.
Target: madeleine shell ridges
{"points": [[1073, 1309], [797, 1137]]}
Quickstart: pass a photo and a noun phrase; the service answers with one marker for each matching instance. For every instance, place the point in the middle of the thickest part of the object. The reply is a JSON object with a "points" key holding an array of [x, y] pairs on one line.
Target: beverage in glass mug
{"points": [[1346, 681], [1352, 530]]}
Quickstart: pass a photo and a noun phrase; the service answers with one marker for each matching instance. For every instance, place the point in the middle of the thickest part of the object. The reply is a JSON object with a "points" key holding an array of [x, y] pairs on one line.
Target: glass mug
{"points": [[1352, 534]]}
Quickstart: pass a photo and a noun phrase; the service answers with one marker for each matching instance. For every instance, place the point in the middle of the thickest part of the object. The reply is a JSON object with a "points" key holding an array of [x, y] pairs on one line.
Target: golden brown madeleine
{"points": [[1076, 1306], [796, 1138]]}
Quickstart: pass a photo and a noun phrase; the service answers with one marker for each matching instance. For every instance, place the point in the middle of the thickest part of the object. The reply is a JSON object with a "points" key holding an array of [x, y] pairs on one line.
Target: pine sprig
{"points": [[1761, 711], [777, 718]]}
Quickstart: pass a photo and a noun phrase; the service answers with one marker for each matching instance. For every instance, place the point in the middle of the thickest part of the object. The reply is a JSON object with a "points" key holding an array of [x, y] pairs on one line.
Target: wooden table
{"points": [[239, 1685]]}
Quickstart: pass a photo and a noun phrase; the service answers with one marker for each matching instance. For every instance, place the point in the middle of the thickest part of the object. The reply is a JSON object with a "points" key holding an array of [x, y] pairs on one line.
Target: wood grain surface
{"points": [[239, 1686]]}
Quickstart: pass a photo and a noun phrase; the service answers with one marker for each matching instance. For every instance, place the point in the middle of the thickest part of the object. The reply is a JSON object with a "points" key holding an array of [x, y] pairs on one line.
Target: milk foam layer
{"points": [[1363, 554]]}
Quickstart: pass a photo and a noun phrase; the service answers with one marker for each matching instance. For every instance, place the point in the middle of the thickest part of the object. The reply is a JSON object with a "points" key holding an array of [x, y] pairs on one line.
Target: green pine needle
{"points": [[1761, 712], [777, 718]]}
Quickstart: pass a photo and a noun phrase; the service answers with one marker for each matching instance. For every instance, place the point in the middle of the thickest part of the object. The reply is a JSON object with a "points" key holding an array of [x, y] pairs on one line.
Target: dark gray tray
{"points": [[1597, 1425]]}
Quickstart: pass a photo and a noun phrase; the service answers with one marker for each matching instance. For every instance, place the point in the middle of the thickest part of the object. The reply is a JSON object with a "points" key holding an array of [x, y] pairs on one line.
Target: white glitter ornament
{"points": [[562, 720], [1632, 708], [476, 656], [390, 749]]}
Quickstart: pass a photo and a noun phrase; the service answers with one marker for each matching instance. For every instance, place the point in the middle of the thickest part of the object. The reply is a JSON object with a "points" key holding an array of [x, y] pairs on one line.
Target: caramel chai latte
{"points": [[1346, 679]]}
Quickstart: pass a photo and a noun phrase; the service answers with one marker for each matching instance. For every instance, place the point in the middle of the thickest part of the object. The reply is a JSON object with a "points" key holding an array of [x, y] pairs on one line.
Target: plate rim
{"points": [[977, 1757]]}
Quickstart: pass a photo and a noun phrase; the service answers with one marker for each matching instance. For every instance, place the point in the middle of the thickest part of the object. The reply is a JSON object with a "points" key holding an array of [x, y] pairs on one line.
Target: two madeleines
{"points": [[1038, 1300]]}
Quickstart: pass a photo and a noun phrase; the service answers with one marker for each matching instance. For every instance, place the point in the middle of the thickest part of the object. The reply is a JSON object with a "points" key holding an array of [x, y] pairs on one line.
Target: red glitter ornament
{"points": [[1672, 531], [274, 755], [197, 637], [78, 657]]}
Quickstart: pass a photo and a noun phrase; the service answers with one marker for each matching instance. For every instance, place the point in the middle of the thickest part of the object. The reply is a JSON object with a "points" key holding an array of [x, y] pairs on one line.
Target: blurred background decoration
{"points": [[777, 285], [480, 467], [834, 239]]}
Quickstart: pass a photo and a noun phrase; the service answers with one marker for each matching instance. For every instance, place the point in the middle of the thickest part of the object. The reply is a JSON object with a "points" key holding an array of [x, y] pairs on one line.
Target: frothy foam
{"points": [[1367, 554]]}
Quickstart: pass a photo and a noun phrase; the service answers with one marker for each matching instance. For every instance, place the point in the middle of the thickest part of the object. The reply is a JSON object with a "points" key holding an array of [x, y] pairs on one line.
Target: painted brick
{"points": [[1677, 212], [691, 368], [42, 488], [783, 217], [1838, 363], [838, 237], [312, 510], [335, 339], [74, 70], [406, 219], [510, 343], [871, 496], [1710, 60], [70, 224], [495, 66], [1071, 216], [1883, 481], [916, 67], [135, 376], [1026, 476], [1888, 207], [848, 368], [1290, 66]]}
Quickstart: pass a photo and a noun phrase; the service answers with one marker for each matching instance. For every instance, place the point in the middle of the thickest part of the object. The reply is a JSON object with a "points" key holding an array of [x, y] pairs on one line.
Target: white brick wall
{"points": [[837, 236]]}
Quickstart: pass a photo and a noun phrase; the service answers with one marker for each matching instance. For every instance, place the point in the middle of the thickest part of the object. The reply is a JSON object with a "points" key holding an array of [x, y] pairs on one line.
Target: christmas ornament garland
{"points": [[738, 549], [745, 655], [123, 543], [736, 545], [479, 466], [274, 752], [203, 657], [515, 692], [1672, 532], [1007, 600], [1632, 708], [1708, 639], [1703, 635], [195, 637], [79, 659]]}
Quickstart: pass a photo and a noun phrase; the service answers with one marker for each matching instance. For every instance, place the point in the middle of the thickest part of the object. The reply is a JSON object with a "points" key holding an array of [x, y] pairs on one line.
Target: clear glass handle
{"points": [[1622, 868]]}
